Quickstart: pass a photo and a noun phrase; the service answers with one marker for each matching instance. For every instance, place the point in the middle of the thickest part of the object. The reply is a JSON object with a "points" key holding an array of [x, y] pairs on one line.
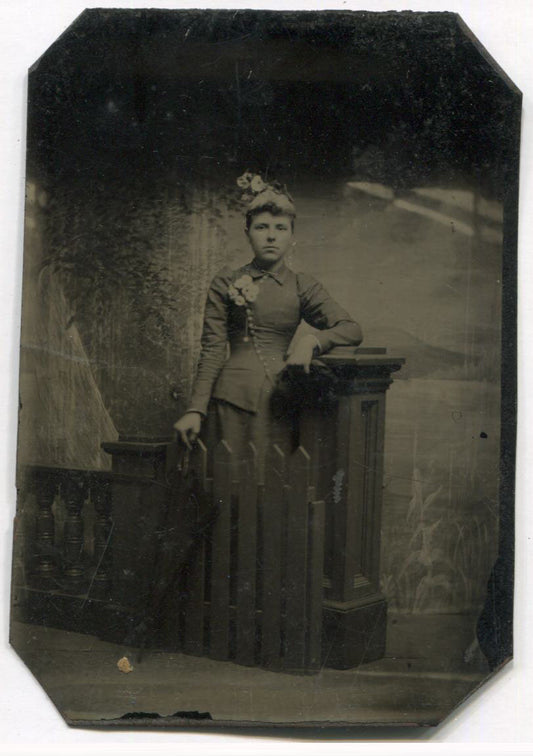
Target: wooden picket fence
{"points": [[253, 590]]}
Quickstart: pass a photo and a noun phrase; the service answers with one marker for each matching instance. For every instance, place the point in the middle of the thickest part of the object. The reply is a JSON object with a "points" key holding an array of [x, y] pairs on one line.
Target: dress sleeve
{"points": [[336, 327], [214, 342]]}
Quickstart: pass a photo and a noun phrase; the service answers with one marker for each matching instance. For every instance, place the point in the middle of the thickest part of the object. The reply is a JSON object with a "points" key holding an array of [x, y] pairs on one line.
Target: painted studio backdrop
{"points": [[139, 125]]}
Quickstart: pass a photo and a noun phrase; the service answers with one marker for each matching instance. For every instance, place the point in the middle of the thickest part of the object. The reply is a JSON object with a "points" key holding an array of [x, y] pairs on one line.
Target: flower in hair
{"points": [[253, 184], [257, 185], [245, 180], [257, 191]]}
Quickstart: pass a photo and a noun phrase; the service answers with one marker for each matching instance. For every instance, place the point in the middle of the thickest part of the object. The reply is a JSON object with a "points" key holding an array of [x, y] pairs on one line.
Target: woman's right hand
{"points": [[188, 427]]}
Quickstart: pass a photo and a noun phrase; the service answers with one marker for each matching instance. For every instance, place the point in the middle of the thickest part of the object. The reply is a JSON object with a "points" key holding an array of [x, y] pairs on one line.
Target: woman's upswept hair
{"points": [[268, 207], [263, 197]]}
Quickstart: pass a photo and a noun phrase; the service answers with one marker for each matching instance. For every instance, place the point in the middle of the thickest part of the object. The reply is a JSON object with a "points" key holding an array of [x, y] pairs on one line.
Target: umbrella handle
{"points": [[183, 461]]}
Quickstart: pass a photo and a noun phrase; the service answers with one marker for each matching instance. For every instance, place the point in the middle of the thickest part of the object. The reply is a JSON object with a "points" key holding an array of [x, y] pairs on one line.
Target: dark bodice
{"points": [[283, 300], [276, 316]]}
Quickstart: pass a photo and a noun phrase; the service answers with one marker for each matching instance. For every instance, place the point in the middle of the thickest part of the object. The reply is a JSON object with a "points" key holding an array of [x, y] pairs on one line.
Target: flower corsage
{"points": [[243, 292]]}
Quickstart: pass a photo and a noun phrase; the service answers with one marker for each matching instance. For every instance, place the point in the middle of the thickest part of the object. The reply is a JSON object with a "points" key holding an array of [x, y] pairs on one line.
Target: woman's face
{"points": [[270, 237]]}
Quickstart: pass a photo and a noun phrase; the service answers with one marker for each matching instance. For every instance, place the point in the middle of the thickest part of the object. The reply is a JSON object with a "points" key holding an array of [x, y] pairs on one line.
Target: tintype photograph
{"points": [[265, 467]]}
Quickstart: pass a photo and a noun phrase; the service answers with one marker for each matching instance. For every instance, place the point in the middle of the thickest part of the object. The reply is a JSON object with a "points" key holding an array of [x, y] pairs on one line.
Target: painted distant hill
{"points": [[422, 359]]}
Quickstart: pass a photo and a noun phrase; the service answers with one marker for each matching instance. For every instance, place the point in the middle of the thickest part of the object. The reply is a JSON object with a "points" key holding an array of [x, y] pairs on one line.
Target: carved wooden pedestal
{"points": [[346, 438]]}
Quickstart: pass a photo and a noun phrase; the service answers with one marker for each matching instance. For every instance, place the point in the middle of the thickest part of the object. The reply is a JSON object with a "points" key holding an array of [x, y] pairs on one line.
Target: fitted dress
{"points": [[244, 347]]}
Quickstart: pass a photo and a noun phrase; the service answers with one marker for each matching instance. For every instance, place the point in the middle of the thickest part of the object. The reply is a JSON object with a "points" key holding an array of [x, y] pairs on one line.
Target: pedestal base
{"points": [[353, 636]]}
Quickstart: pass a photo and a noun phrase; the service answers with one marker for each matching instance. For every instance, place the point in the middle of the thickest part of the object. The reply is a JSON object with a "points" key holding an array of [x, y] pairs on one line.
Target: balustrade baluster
{"points": [[103, 526], [73, 492], [45, 490]]}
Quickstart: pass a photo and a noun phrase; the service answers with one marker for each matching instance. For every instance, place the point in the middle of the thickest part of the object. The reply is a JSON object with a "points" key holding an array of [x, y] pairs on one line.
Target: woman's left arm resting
{"points": [[336, 326]]}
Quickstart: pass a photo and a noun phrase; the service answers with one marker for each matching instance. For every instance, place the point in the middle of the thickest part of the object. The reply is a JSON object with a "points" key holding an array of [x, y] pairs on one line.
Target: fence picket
{"points": [[193, 621], [296, 564], [219, 617], [247, 561], [272, 517], [315, 588]]}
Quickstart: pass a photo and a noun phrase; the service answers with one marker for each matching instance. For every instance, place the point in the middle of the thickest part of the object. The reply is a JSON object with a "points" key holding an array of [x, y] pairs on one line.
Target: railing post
{"points": [[346, 444], [140, 492], [194, 609]]}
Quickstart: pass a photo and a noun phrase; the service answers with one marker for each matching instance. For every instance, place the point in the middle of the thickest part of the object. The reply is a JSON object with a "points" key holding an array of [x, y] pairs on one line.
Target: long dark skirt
{"points": [[269, 425]]}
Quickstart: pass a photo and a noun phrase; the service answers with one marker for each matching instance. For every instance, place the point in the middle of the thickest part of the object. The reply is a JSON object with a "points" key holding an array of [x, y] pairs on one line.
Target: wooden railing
{"points": [[192, 554], [65, 555], [239, 565], [64, 570]]}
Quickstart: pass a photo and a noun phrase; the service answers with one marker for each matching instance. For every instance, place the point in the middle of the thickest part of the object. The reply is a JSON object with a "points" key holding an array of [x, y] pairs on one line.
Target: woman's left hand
{"points": [[301, 353]]}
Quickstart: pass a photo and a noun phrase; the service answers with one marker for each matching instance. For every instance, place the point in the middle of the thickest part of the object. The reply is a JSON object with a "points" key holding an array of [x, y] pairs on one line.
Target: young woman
{"points": [[256, 310]]}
